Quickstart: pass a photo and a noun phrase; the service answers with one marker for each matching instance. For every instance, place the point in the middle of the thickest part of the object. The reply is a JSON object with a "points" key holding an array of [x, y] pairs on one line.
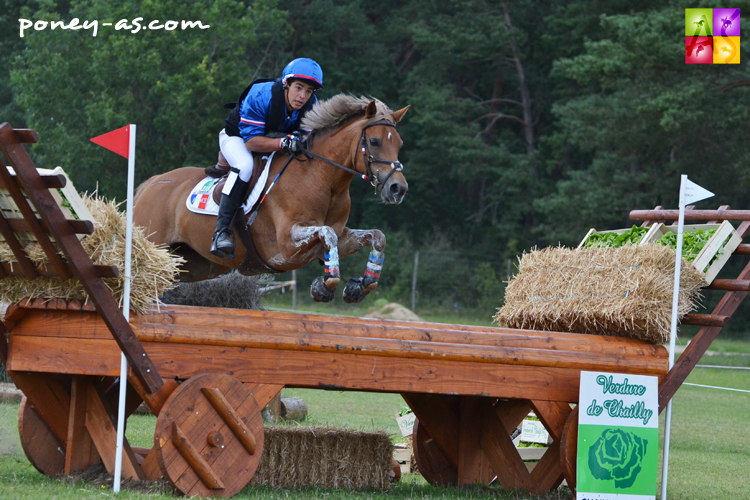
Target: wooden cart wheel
{"points": [[432, 464], [209, 436], [41, 447], [569, 448]]}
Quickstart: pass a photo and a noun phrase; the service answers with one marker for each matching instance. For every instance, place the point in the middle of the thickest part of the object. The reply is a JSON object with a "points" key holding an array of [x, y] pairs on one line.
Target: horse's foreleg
{"points": [[322, 288], [353, 240]]}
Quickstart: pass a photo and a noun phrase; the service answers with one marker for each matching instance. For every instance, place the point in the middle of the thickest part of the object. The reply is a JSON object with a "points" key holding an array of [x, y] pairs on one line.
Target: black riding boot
{"points": [[223, 241]]}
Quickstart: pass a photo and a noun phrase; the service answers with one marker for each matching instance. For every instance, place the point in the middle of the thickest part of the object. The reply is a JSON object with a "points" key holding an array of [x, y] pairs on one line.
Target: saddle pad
{"points": [[201, 199]]}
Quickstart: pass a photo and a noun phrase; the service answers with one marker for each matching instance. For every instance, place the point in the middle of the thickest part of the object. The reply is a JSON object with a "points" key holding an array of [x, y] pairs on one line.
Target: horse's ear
{"points": [[398, 115], [371, 109]]}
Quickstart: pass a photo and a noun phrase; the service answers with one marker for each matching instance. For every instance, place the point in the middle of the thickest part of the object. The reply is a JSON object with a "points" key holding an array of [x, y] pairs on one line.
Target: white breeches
{"points": [[234, 150]]}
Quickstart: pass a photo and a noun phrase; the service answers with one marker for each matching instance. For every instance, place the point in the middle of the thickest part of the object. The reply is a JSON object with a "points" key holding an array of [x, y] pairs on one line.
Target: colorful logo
{"points": [[712, 36]]}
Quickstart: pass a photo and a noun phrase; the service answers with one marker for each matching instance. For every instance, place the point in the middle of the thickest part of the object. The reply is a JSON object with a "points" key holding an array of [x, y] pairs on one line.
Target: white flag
{"points": [[694, 193]]}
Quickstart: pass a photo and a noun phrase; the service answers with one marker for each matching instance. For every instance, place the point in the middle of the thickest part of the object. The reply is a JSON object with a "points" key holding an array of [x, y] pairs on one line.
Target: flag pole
{"points": [[690, 192], [125, 309], [673, 330]]}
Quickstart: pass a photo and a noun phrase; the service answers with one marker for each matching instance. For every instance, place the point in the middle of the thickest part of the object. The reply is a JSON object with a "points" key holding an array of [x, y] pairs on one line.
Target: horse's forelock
{"points": [[334, 112]]}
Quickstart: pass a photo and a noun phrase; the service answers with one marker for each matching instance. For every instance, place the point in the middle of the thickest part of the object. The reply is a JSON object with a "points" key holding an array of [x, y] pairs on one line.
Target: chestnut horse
{"points": [[304, 216]]}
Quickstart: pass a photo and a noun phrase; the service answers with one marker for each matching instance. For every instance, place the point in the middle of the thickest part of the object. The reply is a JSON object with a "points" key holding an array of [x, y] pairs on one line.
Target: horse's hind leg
{"points": [[353, 240], [323, 288]]}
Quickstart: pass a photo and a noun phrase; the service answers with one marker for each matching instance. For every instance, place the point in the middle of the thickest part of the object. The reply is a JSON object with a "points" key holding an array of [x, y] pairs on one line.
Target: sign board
{"points": [[533, 431], [406, 424], [618, 437]]}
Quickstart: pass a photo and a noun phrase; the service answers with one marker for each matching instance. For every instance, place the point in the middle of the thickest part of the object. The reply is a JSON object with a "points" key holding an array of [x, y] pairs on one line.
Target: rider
{"points": [[263, 120]]}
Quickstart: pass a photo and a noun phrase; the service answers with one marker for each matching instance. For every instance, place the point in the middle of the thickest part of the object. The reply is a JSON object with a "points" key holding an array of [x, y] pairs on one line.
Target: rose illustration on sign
{"points": [[617, 455]]}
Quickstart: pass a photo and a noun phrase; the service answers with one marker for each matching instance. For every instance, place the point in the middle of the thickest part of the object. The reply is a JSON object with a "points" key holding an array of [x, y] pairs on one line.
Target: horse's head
{"points": [[379, 146]]}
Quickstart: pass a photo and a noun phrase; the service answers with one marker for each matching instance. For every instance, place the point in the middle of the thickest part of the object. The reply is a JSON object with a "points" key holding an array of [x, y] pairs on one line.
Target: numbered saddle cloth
{"points": [[205, 197]]}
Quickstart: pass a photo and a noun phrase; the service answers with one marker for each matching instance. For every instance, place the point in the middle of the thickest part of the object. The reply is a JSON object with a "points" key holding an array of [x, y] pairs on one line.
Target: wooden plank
{"points": [[154, 401], [404, 349], [20, 161], [55, 323], [552, 415], [27, 268], [548, 473], [721, 208], [692, 215], [104, 434], [150, 465], [192, 457], [511, 413], [79, 261], [264, 393], [14, 269], [50, 180], [470, 453], [77, 226], [438, 414], [3, 345], [48, 397], [271, 321], [25, 135], [705, 320], [231, 418], [80, 453], [730, 285], [569, 449], [304, 369], [500, 451], [700, 344]]}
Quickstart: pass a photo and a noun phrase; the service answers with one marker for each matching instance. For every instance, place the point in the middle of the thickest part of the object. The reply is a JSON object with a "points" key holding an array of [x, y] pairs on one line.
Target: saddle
{"points": [[223, 168], [253, 265]]}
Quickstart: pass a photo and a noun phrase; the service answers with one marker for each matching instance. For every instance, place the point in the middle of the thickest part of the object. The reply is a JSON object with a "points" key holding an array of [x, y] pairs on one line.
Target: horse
{"points": [[304, 216]]}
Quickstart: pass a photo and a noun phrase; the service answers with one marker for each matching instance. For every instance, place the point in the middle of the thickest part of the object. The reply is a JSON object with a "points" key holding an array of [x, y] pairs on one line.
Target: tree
{"points": [[171, 83]]}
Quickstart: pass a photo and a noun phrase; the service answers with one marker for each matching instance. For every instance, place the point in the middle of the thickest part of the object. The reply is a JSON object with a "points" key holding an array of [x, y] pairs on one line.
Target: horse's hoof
{"points": [[320, 292], [353, 292]]}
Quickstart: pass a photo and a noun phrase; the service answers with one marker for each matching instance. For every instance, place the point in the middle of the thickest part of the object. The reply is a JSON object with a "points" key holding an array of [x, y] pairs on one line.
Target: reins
{"points": [[367, 158]]}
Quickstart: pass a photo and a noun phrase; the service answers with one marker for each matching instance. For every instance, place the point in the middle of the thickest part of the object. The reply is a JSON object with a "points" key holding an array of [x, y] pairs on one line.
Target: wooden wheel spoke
{"points": [[191, 455], [230, 417]]}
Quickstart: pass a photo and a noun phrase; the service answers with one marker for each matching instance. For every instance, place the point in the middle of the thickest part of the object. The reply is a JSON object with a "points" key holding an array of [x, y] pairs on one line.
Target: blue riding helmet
{"points": [[304, 69]]}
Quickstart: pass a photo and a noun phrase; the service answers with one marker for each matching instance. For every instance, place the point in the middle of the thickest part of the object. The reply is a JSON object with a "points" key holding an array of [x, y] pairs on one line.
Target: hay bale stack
{"points": [[625, 292], [154, 269], [324, 457]]}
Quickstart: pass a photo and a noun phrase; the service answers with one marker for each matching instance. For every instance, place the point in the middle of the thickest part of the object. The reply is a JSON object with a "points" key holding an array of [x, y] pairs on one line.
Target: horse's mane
{"points": [[332, 113]]}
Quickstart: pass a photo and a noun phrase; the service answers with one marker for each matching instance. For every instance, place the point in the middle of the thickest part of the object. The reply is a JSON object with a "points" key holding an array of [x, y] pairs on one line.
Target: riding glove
{"points": [[290, 143]]}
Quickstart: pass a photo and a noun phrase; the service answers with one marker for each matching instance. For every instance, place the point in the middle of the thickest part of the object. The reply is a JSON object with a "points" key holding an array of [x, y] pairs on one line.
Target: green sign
{"points": [[618, 437]]}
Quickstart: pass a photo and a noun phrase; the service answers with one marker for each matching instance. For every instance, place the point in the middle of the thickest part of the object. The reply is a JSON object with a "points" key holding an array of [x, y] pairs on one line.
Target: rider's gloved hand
{"points": [[290, 143]]}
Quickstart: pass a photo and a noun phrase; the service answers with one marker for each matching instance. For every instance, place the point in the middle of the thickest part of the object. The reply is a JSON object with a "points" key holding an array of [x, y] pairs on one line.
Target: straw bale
{"points": [[324, 457], [624, 292], [154, 269]]}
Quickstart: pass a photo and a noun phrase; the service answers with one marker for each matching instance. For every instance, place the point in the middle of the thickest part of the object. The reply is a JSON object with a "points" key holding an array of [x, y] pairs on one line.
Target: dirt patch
{"points": [[98, 476], [392, 310]]}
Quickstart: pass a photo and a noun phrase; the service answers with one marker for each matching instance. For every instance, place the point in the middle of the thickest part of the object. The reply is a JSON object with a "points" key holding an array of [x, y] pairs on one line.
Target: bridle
{"points": [[367, 158]]}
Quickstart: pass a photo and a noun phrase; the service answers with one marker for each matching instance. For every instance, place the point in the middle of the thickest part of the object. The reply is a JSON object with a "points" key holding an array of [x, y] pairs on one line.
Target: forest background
{"points": [[531, 121]]}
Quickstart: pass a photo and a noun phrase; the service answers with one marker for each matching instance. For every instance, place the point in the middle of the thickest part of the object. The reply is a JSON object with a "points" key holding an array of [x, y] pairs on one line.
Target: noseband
{"points": [[396, 166]]}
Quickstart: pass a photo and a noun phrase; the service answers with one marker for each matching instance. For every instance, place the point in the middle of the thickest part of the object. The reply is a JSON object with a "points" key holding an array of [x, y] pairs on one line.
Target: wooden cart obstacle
{"points": [[468, 386]]}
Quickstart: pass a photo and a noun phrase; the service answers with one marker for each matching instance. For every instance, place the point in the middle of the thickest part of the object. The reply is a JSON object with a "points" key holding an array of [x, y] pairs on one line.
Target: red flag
{"points": [[117, 141]]}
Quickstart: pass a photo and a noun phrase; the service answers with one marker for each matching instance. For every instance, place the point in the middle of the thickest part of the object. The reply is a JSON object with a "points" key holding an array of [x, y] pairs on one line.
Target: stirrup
{"points": [[225, 248]]}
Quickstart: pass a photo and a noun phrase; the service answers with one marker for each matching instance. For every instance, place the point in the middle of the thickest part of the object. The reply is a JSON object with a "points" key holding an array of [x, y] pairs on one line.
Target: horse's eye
{"points": [[375, 141]]}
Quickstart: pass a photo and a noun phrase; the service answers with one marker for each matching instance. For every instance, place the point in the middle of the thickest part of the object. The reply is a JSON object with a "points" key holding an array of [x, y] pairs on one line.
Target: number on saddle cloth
{"points": [[205, 197]]}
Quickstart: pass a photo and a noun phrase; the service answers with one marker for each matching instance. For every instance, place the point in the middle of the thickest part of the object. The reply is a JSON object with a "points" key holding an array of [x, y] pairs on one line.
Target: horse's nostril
{"points": [[395, 189]]}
